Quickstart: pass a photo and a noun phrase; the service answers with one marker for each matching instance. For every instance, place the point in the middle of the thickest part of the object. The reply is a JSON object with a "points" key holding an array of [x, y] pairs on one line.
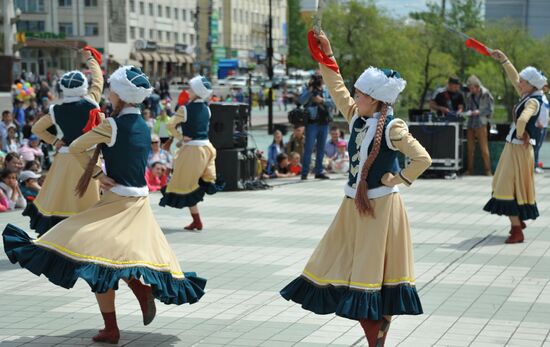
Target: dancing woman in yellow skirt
{"points": [[363, 268], [56, 200], [514, 181], [117, 238], [194, 172]]}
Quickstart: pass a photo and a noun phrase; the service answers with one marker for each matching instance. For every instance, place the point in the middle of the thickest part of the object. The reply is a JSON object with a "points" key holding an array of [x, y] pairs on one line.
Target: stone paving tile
{"points": [[475, 290]]}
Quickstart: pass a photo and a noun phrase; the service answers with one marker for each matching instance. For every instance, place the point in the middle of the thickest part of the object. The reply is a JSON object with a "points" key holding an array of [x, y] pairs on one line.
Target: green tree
{"points": [[298, 53]]}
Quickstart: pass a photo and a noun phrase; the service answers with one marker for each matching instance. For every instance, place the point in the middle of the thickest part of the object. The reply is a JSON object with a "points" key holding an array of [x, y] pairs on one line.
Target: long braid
{"points": [[86, 177], [361, 198]]}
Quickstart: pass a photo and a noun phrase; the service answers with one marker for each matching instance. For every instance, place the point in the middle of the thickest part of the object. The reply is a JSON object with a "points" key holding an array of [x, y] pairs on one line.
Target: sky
{"points": [[402, 7]]}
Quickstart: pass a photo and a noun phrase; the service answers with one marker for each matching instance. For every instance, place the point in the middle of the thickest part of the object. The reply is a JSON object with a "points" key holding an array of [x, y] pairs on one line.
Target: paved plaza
{"points": [[475, 290]]}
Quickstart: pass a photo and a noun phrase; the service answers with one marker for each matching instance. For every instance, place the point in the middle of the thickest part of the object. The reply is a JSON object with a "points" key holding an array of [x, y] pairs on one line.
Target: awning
{"points": [[156, 56], [173, 58], [68, 44], [137, 56], [189, 59], [165, 58], [181, 59], [134, 62], [146, 56]]}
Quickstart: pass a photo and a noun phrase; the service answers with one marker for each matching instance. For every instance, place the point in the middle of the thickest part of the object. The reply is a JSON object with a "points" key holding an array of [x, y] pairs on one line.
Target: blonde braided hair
{"points": [[361, 198]]}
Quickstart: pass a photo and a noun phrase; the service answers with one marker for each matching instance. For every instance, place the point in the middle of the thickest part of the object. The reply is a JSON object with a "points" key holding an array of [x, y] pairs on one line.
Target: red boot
{"points": [[144, 294], [110, 334], [516, 235], [197, 223], [376, 331]]}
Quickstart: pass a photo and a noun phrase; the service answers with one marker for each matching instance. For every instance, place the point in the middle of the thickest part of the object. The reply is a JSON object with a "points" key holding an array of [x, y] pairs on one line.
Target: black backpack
{"points": [[298, 116]]}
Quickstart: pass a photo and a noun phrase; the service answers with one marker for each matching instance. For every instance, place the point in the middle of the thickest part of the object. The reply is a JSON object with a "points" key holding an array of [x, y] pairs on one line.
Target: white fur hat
{"points": [[384, 85], [201, 86], [534, 77], [74, 83], [130, 84]]}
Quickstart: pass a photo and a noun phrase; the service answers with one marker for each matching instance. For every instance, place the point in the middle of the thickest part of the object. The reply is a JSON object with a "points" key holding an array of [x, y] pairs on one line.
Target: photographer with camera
{"points": [[448, 101], [318, 104]]}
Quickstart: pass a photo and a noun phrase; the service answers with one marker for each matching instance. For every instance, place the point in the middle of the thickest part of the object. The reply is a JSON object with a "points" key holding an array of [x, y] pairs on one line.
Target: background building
{"points": [[531, 14]]}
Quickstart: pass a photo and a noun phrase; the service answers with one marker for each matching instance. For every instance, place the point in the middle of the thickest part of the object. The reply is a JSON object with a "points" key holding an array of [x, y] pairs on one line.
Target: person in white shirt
{"points": [[542, 125]]}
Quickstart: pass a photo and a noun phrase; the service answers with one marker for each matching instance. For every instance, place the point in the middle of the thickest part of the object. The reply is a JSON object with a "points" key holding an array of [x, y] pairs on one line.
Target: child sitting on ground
{"points": [[340, 162], [29, 185], [295, 166], [281, 169]]}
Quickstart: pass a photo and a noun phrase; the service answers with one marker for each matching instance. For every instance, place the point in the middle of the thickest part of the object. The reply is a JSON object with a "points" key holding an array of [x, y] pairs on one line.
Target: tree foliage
{"points": [[422, 48]]}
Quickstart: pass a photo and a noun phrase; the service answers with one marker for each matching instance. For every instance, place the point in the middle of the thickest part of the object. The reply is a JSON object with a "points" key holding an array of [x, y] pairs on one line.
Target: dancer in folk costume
{"points": [[118, 238], [194, 172], [514, 181], [363, 268], [77, 114]]}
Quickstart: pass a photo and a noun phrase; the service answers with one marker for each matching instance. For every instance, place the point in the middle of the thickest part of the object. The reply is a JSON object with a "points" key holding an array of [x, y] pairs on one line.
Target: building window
{"points": [[184, 15], [159, 10], [160, 37], [192, 39], [184, 38], [91, 29], [235, 15], [90, 3], [167, 11], [30, 6], [31, 25], [151, 34], [142, 8], [151, 12], [133, 33], [65, 3], [168, 36], [176, 13], [141, 33], [220, 13], [132, 6], [66, 28], [176, 37]]}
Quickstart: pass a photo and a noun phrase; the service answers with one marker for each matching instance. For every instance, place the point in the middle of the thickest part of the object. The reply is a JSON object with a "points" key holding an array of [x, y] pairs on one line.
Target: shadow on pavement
{"points": [[83, 337], [476, 242]]}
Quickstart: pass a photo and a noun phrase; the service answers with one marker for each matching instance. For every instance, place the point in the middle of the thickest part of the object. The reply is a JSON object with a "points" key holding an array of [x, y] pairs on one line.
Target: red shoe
{"points": [[111, 336], [146, 300], [194, 226], [523, 226], [516, 235]]}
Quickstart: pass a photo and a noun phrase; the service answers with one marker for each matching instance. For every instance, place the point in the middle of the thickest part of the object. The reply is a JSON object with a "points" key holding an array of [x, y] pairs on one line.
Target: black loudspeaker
{"points": [[236, 167], [6, 73], [442, 141], [228, 125]]}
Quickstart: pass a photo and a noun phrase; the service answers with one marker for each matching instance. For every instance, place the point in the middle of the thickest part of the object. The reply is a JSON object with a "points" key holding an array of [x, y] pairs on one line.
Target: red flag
{"points": [[183, 98], [318, 55], [95, 53], [478, 46], [93, 120]]}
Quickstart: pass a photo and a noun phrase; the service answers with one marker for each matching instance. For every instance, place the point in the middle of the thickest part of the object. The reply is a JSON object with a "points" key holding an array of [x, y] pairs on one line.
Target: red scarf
{"points": [[318, 55], [93, 120]]}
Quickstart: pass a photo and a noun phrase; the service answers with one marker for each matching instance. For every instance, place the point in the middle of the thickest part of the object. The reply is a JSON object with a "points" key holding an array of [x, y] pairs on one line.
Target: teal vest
{"points": [[198, 119], [531, 127], [383, 163], [126, 160], [71, 118]]}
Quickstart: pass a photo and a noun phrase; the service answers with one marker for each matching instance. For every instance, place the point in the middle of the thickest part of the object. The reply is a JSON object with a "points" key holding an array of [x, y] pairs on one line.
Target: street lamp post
{"points": [[270, 71]]}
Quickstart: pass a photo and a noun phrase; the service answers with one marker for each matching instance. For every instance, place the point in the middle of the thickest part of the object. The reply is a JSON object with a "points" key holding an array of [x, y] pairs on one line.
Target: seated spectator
{"points": [[340, 161], [156, 176], [281, 169], [331, 147], [275, 148], [13, 162], [33, 166], [158, 154], [27, 128], [11, 143], [4, 202], [10, 188], [297, 141], [7, 120], [29, 185], [295, 166], [448, 100], [31, 151]]}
